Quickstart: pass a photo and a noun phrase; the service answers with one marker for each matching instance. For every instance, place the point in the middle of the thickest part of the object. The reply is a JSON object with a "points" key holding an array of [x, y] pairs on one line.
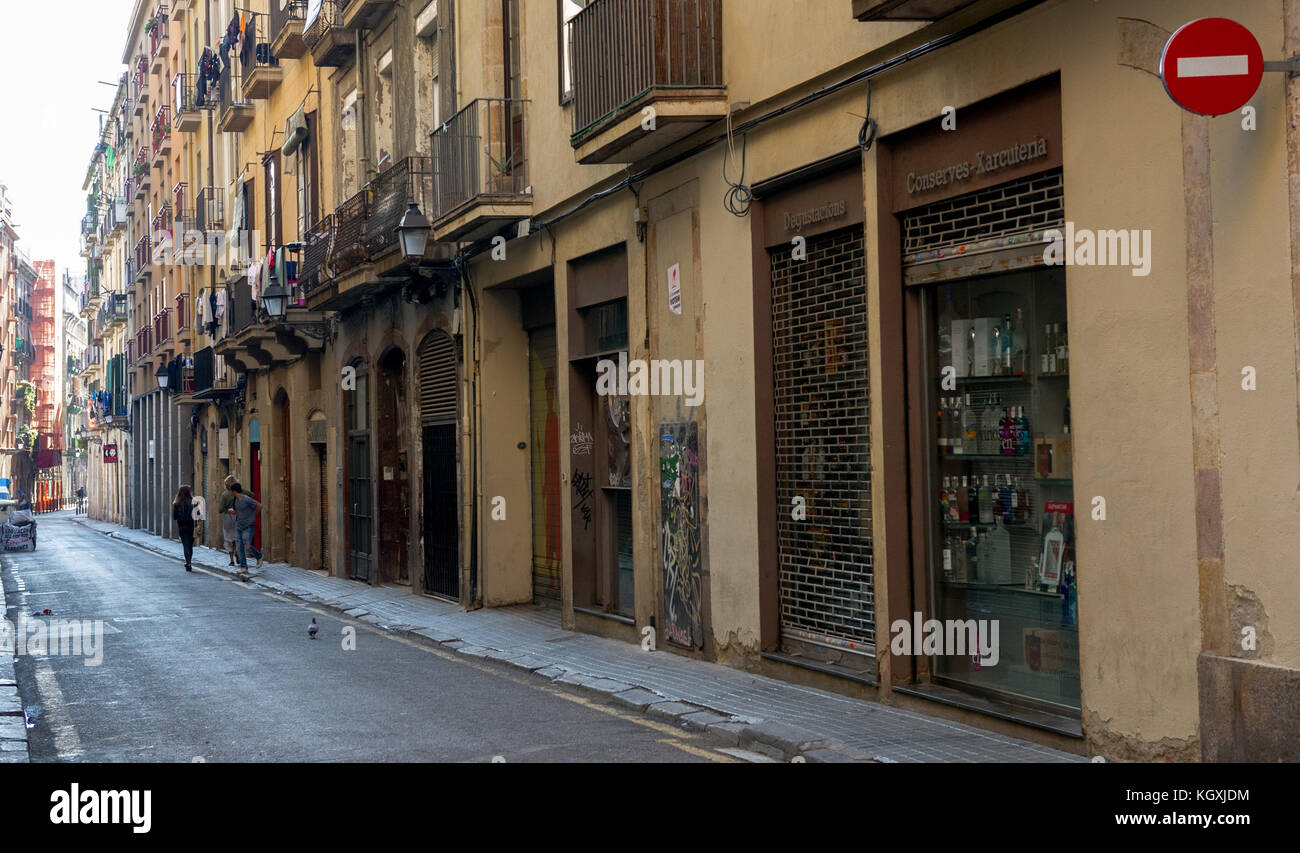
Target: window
{"points": [[568, 9]]}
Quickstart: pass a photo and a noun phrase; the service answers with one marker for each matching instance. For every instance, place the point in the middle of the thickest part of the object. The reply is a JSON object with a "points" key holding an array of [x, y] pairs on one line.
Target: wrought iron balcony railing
{"points": [[622, 49], [479, 152]]}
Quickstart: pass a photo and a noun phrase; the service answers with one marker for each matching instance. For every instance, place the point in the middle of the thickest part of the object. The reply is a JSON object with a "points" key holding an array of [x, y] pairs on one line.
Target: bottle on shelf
{"points": [[1006, 355], [972, 561], [969, 428], [972, 500], [1059, 337], [985, 502], [1007, 431], [995, 349], [1007, 500], [1019, 358], [943, 500], [949, 569], [970, 351], [1021, 502], [1023, 441], [989, 435], [953, 509], [1049, 351], [963, 502], [954, 426], [1065, 416]]}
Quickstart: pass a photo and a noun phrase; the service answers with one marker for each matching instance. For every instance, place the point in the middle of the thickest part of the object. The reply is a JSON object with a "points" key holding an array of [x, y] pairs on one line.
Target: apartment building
{"points": [[738, 323], [17, 393]]}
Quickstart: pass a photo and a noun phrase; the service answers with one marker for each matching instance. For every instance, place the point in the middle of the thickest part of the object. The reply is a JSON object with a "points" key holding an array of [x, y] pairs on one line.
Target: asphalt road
{"points": [[199, 667]]}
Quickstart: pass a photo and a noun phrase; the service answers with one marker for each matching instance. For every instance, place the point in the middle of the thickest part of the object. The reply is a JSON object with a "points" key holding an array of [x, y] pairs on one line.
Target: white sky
{"points": [[52, 52]]}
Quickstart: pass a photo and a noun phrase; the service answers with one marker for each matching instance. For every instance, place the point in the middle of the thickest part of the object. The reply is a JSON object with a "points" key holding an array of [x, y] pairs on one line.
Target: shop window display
{"points": [[1003, 522]]}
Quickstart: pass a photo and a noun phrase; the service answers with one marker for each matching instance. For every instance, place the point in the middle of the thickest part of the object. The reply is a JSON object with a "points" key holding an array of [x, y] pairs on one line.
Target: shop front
{"points": [[990, 618]]}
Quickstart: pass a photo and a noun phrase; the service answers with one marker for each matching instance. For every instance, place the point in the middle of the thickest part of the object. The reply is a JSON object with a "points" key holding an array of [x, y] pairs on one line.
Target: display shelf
{"points": [[999, 587], [1019, 379], [986, 457]]}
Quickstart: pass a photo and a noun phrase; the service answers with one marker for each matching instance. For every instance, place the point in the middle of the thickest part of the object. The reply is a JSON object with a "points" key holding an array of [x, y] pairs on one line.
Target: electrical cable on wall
{"points": [[867, 134], [738, 197]]}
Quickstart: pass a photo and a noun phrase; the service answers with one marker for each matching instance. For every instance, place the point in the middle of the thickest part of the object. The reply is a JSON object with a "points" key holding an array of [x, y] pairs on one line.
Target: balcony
{"points": [[161, 133], [181, 8], [140, 88], [236, 112], [115, 310], [906, 10], [142, 347], [669, 60], [364, 14], [182, 312], [163, 344], [210, 210], [157, 30], [186, 109], [116, 214], [331, 43], [480, 170], [143, 259], [161, 231], [140, 172], [287, 21], [262, 72], [210, 383]]}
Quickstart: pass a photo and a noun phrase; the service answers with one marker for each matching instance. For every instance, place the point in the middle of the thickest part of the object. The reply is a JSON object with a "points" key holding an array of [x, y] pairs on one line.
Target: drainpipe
{"points": [[363, 142], [1291, 47]]}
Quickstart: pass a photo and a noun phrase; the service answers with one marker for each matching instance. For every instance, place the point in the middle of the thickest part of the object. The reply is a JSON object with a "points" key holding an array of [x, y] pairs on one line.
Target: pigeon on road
{"points": [[312, 628]]}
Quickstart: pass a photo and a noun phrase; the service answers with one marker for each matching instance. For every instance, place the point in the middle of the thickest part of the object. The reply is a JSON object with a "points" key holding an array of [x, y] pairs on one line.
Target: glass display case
{"points": [[1003, 523]]}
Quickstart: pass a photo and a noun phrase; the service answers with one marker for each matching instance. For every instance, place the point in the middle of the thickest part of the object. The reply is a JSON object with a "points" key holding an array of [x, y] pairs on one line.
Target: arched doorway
{"points": [[284, 429], [438, 412], [394, 509], [356, 420]]}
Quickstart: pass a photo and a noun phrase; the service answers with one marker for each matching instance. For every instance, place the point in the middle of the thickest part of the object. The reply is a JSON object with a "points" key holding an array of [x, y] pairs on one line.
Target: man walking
{"points": [[226, 509], [245, 518]]}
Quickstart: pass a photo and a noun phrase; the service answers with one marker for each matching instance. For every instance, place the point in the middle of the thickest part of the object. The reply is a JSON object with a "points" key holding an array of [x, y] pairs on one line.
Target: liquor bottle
{"points": [[995, 349], [989, 435], [963, 503], [954, 514], [1052, 365], [1005, 355], [943, 426], [985, 502], [943, 500], [1062, 366], [1007, 500], [1007, 426], [948, 547], [995, 495], [1019, 359], [955, 431], [972, 499], [970, 351], [972, 561], [969, 428], [1023, 441], [1047, 350], [947, 317], [1065, 416], [1026, 509]]}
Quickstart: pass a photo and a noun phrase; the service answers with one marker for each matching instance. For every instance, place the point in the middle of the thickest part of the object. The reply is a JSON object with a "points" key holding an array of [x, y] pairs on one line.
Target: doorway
{"points": [[438, 414], [360, 522], [394, 510], [255, 475], [282, 426]]}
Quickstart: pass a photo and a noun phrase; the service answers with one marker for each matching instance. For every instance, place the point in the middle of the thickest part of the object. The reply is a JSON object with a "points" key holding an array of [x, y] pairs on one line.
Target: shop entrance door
{"points": [[393, 491], [821, 404], [359, 521], [441, 509]]}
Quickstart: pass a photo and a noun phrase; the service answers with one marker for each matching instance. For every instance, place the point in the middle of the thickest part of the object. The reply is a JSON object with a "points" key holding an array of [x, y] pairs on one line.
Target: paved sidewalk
{"points": [[760, 715], [13, 723]]}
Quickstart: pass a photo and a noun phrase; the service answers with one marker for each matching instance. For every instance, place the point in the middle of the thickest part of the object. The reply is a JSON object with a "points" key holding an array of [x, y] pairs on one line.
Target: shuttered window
{"points": [[437, 379]]}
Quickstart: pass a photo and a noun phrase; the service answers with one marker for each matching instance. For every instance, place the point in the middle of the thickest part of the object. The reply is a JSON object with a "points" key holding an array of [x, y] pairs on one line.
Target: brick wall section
{"points": [[1016, 207], [819, 341]]}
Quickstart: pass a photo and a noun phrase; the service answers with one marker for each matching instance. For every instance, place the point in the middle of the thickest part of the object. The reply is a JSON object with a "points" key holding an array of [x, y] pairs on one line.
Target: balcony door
{"points": [[394, 493]]}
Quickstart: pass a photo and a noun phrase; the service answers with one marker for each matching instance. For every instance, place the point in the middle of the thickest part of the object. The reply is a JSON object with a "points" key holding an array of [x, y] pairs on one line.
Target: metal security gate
{"points": [[438, 413], [821, 404], [545, 462], [359, 520]]}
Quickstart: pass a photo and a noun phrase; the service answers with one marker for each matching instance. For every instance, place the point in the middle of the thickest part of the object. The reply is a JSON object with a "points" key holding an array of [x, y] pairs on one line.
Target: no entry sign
{"points": [[1211, 66]]}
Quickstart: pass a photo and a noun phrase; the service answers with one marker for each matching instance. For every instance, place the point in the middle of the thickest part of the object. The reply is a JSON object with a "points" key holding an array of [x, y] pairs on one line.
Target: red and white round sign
{"points": [[1211, 66]]}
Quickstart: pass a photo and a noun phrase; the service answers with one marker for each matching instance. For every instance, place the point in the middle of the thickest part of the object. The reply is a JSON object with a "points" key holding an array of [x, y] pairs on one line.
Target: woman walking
{"points": [[183, 515], [226, 508]]}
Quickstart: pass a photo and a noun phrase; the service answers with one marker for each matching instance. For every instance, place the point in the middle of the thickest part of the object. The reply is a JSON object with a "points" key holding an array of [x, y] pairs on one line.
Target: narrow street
{"points": [[196, 666]]}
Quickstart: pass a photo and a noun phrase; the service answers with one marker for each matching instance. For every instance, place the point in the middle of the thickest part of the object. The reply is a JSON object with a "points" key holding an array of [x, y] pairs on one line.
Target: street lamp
{"points": [[275, 299], [413, 232], [162, 377]]}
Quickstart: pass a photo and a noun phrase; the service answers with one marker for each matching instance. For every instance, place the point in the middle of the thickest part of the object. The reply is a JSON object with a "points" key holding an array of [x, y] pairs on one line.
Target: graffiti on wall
{"points": [[679, 469]]}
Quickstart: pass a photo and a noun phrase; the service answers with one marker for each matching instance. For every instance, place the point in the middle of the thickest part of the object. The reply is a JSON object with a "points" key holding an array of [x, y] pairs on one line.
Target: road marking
{"points": [[1213, 66], [709, 754]]}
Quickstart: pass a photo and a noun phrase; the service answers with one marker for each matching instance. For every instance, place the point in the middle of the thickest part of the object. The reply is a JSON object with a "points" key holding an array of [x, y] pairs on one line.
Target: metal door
{"points": [[359, 520], [441, 530]]}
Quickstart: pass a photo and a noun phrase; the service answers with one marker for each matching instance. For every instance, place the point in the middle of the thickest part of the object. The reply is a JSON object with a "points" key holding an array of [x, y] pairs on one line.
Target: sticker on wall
{"points": [[675, 288]]}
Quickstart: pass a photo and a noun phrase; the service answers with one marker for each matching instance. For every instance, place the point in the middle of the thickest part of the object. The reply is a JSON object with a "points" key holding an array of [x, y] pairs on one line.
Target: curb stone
{"points": [[15, 747], [780, 741]]}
